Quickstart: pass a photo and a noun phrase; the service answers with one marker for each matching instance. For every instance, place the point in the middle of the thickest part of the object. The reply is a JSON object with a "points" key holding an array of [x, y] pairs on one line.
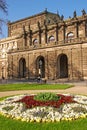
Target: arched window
{"points": [[51, 39], [70, 35], [35, 41]]}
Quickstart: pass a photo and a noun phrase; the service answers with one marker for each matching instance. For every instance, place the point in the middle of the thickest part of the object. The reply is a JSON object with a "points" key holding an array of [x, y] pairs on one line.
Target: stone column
{"points": [[46, 65], [12, 66], [84, 26], [45, 34], [76, 30], [34, 65], [8, 68], [56, 32], [24, 37], [18, 75], [29, 39], [70, 65], [39, 36], [30, 36], [63, 29], [55, 65], [39, 30], [15, 66], [27, 65]]}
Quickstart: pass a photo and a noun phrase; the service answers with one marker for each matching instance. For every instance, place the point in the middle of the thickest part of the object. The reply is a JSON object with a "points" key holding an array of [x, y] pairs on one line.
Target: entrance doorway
{"points": [[41, 67], [22, 68], [63, 66]]}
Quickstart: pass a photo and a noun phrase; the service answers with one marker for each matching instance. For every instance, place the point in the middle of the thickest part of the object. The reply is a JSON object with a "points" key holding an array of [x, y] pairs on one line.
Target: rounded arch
{"points": [[35, 41], [40, 66], [51, 38], [22, 68], [62, 66], [70, 35]]}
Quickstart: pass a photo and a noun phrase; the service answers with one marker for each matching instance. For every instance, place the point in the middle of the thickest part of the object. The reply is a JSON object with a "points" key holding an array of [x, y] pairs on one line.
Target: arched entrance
{"points": [[41, 66], [22, 68], [62, 66]]}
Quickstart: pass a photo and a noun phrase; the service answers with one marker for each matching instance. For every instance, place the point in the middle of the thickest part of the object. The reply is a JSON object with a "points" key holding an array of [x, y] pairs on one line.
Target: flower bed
{"points": [[30, 102], [26, 108]]}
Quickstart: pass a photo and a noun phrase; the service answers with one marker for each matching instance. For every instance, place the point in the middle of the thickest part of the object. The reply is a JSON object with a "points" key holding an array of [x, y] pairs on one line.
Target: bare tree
{"points": [[3, 8]]}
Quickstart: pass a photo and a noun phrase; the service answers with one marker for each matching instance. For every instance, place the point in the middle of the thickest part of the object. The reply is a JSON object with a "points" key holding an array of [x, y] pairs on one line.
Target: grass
{"points": [[12, 87], [2, 98], [9, 124]]}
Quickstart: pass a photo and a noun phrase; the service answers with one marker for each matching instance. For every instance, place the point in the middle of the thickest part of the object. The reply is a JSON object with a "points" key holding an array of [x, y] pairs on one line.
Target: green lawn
{"points": [[9, 124], [12, 87]]}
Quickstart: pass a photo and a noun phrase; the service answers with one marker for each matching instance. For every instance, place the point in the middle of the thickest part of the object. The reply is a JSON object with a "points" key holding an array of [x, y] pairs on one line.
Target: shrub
{"points": [[79, 109], [46, 97], [8, 108]]}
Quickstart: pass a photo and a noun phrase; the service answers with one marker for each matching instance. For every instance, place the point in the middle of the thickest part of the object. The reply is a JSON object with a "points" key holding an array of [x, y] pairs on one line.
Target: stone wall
{"points": [[75, 55]]}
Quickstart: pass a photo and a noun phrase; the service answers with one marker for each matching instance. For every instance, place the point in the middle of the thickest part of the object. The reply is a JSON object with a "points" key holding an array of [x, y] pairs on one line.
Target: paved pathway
{"points": [[74, 90]]}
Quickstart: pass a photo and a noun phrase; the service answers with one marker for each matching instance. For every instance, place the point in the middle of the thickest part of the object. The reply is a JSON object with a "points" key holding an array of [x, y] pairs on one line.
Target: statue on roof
{"points": [[62, 17], [83, 12], [58, 13], [74, 14], [69, 17], [46, 10]]}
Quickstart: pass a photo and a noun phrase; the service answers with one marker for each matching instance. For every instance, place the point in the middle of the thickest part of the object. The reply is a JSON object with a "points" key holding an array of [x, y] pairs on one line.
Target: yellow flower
{"points": [[18, 118], [76, 116], [69, 119], [57, 119], [48, 120], [32, 120], [43, 120], [28, 120], [23, 119], [38, 120], [8, 116], [83, 116]]}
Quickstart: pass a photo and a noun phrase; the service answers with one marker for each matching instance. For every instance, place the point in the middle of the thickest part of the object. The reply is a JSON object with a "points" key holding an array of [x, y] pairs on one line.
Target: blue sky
{"points": [[18, 9]]}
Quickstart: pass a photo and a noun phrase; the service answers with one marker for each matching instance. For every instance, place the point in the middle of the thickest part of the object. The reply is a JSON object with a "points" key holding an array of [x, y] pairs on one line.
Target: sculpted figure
{"points": [[83, 12]]}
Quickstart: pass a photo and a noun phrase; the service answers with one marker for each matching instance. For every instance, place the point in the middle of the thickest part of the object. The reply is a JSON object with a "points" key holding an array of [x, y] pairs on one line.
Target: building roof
{"points": [[45, 12]]}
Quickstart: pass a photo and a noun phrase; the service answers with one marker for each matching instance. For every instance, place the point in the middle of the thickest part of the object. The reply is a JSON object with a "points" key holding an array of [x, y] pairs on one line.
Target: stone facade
{"points": [[45, 45]]}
